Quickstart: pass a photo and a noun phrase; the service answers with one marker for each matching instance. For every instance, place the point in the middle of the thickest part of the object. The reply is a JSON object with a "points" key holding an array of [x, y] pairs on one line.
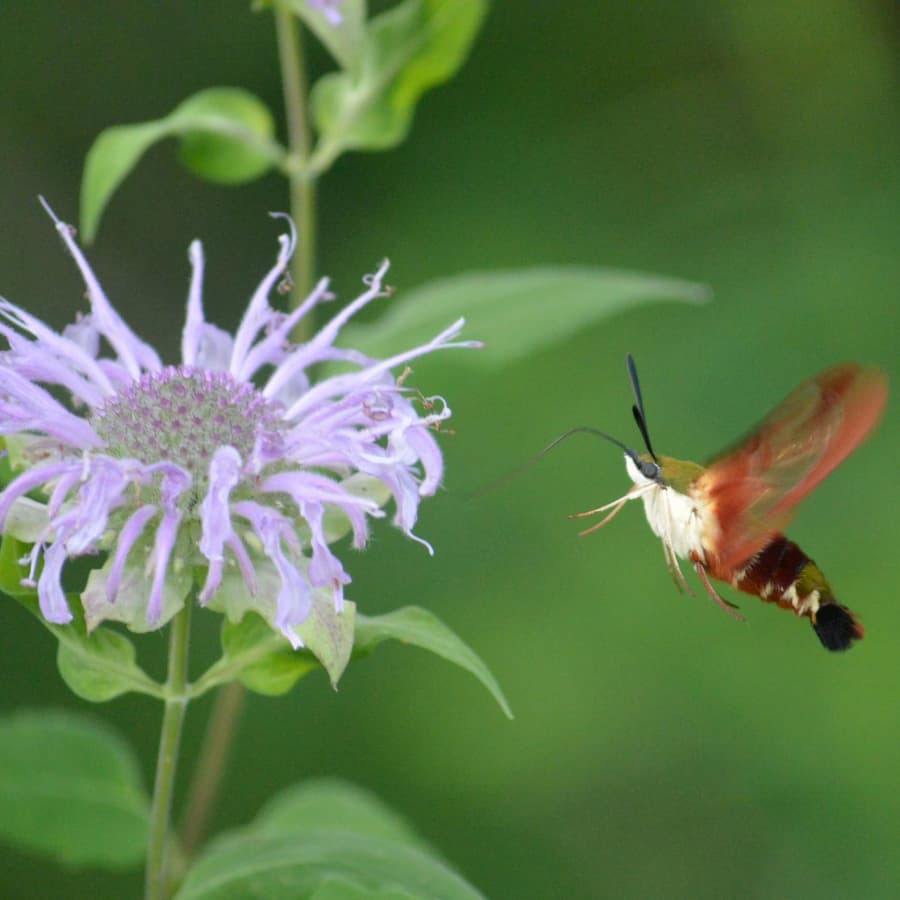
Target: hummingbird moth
{"points": [[726, 518]]}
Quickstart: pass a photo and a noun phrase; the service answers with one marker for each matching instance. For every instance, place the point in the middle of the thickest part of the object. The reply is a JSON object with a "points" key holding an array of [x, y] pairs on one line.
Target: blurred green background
{"points": [[659, 748]]}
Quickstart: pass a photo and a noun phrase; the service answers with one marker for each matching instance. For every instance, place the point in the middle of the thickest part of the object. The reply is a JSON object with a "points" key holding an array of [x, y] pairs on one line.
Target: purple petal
{"points": [[215, 516], [259, 313], [421, 441], [193, 320], [325, 569], [132, 351], [26, 407], [175, 482], [90, 512], [212, 582], [312, 351], [245, 564], [131, 531], [50, 593], [28, 481], [202, 345], [340, 384], [56, 359], [270, 350], [294, 600]]}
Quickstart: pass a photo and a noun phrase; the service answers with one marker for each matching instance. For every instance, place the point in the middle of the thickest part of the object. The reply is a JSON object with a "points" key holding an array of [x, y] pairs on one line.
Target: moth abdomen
{"points": [[783, 574]]}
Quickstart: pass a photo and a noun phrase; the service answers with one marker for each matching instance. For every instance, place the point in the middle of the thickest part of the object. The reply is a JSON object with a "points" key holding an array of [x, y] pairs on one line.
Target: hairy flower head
{"points": [[234, 470]]}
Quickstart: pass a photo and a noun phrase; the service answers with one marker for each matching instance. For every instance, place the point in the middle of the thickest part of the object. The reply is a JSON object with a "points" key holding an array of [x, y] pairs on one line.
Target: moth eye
{"points": [[650, 470]]}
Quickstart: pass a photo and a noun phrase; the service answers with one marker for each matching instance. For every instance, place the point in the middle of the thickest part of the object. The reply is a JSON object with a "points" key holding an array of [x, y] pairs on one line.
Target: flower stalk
{"points": [[302, 182], [211, 765], [158, 850]]}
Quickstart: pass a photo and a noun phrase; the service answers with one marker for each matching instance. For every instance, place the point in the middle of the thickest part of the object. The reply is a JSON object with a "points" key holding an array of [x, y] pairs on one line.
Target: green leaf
{"points": [[226, 137], [328, 635], [70, 789], [299, 865], [260, 658], [345, 39], [223, 130], [114, 153], [129, 604], [515, 312], [97, 666], [329, 804], [100, 666], [263, 660], [324, 839], [413, 625], [26, 520], [12, 571], [408, 49]]}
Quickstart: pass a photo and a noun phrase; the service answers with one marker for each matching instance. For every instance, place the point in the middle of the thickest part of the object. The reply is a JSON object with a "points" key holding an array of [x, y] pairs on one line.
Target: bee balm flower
{"points": [[233, 468]]}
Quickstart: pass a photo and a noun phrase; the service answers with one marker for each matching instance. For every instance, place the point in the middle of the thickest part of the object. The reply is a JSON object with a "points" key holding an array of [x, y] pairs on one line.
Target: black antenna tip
{"points": [[640, 416]]}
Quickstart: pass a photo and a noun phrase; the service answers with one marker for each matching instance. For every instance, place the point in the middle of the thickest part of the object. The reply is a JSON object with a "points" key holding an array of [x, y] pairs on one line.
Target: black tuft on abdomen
{"points": [[836, 627]]}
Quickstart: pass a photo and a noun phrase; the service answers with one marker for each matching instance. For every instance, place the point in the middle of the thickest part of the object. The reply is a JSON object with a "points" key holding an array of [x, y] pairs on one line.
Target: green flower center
{"points": [[184, 415]]}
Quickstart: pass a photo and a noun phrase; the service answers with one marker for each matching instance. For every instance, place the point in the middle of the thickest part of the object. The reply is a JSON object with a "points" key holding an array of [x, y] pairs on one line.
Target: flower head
{"points": [[234, 469]]}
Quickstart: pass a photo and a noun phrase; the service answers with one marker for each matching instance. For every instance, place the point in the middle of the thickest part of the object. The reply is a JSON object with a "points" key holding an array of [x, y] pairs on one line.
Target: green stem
{"points": [[210, 766], [157, 882], [302, 185]]}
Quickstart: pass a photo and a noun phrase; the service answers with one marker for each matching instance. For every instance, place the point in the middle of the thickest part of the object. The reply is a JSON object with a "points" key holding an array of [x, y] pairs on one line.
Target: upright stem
{"points": [[156, 883], [210, 766], [302, 186]]}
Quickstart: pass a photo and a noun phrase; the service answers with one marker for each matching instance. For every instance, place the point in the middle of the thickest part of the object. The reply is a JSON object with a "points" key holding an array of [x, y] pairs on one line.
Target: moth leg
{"points": [[730, 608], [618, 503], [671, 556], [617, 508], [674, 568]]}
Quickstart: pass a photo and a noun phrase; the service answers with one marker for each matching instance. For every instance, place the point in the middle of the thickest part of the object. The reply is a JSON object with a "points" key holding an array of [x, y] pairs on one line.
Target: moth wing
{"points": [[753, 488]]}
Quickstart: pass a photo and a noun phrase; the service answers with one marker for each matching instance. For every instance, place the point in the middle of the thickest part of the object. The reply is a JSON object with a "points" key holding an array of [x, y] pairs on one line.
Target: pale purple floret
{"points": [[331, 9], [232, 461]]}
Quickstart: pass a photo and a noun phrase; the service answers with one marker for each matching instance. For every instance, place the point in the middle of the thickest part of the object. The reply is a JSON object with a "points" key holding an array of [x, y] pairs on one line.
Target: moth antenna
{"points": [[638, 409], [525, 466]]}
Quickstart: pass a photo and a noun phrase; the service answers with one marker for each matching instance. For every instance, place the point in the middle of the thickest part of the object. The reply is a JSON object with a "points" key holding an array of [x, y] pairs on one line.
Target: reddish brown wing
{"points": [[754, 487]]}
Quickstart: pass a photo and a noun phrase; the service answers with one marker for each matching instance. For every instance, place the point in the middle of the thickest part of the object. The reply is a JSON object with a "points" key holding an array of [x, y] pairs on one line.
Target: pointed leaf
{"points": [[408, 49], [413, 625], [70, 789], [227, 138], [328, 634], [114, 153], [515, 312]]}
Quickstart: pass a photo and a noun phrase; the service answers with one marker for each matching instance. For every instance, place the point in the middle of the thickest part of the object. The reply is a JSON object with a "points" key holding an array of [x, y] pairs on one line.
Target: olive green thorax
{"points": [[677, 473]]}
